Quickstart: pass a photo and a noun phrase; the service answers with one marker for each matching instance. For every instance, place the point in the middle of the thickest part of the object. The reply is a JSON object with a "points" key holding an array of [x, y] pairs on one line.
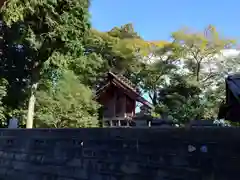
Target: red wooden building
{"points": [[2, 2], [118, 96]]}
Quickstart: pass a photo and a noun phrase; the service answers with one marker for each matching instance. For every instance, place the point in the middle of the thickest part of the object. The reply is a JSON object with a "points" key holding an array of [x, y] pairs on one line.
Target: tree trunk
{"points": [[153, 97], [198, 71], [31, 106], [32, 98], [154, 100]]}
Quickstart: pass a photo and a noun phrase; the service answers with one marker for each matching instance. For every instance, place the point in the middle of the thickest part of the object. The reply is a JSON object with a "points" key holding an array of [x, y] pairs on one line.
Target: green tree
{"points": [[14, 67], [124, 32], [200, 54], [179, 100], [200, 51], [121, 48], [51, 31], [3, 92], [118, 55], [156, 70], [65, 103]]}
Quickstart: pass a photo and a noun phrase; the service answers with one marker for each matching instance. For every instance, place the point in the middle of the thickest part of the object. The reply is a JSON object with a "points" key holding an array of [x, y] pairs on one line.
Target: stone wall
{"points": [[120, 154]]}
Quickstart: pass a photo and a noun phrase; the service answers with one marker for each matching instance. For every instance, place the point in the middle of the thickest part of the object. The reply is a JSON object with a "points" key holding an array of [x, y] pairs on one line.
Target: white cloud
{"points": [[230, 52]]}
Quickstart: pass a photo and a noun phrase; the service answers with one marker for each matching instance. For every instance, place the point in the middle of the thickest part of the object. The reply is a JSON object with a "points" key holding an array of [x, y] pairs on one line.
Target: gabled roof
{"points": [[123, 82]]}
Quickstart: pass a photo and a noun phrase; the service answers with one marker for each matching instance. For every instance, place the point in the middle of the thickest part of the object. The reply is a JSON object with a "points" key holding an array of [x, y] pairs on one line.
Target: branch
{"points": [[210, 75], [195, 55], [151, 97]]}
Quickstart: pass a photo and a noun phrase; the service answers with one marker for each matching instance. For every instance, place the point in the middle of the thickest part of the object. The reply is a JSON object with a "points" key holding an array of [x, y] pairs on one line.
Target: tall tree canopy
{"points": [[198, 71], [48, 34], [67, 103], [52, 60]]}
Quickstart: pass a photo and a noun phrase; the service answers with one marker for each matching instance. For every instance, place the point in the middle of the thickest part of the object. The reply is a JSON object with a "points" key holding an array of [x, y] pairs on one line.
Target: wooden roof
{"points": [[231, 110], [233, 85], [124, 83]]}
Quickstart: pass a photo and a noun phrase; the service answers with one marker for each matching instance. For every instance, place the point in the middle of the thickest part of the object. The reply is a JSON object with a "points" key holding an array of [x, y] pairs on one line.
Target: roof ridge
{"points": [[125, 81], [128, 81]]}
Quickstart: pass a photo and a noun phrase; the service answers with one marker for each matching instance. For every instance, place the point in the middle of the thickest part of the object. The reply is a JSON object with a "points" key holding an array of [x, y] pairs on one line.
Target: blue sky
{"points": [[156, 19]]}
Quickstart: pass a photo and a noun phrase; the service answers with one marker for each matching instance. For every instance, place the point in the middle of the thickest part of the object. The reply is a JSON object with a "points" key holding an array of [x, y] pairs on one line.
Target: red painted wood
{"points": [[109, 94], [121, 90], [2, 2]]}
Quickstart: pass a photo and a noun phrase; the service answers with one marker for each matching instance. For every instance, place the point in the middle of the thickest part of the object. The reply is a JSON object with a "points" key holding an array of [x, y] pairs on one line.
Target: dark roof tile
{"points": [[125, 81]]}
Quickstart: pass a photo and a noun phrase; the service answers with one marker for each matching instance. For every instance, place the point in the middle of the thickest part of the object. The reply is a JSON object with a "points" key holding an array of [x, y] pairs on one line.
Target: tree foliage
{"points": [[186, 75], [48, 35], [66, 103], [200, 51], [52, 60], [3, 92]]}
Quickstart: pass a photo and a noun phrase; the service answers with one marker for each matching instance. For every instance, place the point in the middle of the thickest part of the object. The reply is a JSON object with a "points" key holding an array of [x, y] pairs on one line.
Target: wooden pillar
{"points": [[124, 104], [127, 123], [114, 104], [149, 123], [134, 107]]}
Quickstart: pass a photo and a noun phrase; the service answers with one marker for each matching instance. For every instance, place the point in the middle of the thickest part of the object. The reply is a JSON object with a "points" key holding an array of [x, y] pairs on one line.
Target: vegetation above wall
{"points": [[51, 61]]}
